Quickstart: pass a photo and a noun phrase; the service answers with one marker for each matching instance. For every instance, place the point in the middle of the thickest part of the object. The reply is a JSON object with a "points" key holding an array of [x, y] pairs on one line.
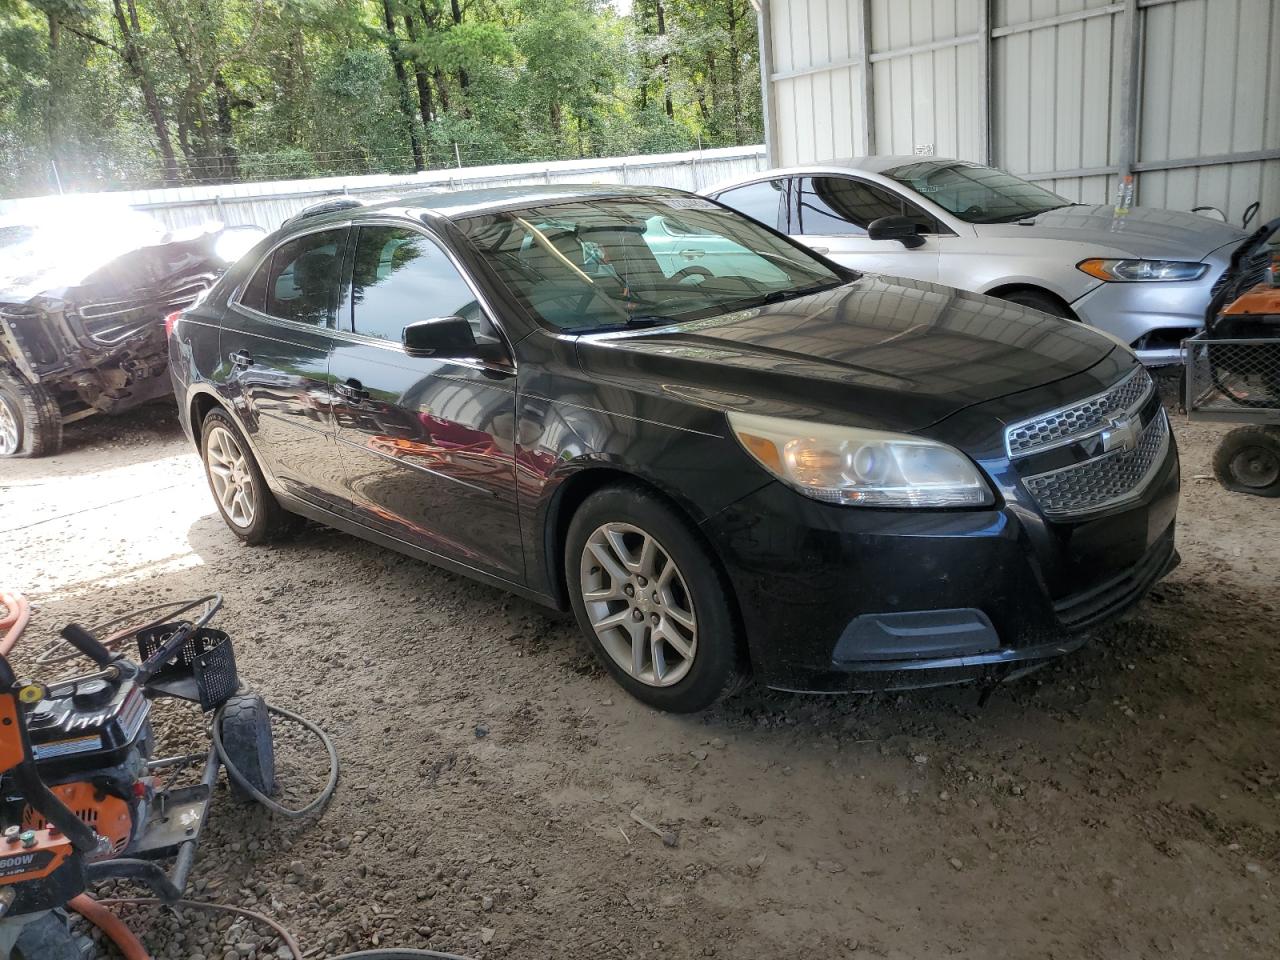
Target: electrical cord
{"points": [[389, 953]]}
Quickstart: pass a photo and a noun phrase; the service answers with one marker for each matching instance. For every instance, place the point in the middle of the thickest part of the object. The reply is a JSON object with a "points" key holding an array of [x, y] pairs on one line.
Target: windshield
{"points": [[591, 266], [975, 193]]}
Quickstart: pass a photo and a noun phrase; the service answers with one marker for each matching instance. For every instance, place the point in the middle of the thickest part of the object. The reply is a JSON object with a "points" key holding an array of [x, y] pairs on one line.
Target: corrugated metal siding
{"points": [[819, 111], [1210, 85], [269, 204], [929, 96], [1057, 93]]}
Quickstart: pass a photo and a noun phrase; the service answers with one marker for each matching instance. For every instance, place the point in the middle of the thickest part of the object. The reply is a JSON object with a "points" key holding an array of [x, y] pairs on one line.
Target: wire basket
{"points": [[1235, 379], [203, 669]]}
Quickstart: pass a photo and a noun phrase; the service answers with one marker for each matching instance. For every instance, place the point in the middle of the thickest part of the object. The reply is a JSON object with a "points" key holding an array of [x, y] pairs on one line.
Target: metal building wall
{"points": [[1043, 88]]}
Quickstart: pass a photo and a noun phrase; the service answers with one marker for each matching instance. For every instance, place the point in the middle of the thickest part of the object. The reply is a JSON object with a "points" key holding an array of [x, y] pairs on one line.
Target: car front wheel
{"points": [[650, 597], [239, 489]]}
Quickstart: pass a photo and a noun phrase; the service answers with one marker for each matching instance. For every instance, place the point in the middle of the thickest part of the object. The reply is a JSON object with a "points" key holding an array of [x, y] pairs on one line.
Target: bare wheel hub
{"points": [[639, 604]]}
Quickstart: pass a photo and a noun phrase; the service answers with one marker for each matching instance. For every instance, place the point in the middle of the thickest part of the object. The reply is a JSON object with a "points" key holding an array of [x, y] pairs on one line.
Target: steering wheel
{"points": [[974, 210], [680, 276]]}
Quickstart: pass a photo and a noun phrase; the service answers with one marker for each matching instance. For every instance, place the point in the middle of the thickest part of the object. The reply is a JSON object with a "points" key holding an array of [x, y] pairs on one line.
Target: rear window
{"points": [[298, 282]]}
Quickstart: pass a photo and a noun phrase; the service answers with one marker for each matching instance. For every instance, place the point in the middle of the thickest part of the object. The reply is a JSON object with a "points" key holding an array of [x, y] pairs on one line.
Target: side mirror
{"points": [[903, 229], [441, 338]]}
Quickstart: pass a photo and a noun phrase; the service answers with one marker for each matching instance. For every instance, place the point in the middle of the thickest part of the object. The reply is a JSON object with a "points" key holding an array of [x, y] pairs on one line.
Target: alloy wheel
{"points": [[231, 478], [8, 429], [639, 604]]}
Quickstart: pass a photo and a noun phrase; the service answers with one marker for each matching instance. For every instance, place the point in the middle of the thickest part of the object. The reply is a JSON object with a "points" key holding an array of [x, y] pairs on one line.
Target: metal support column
{"points": [[865, 91], [1130, 89], [986, 105], [768, 102]]}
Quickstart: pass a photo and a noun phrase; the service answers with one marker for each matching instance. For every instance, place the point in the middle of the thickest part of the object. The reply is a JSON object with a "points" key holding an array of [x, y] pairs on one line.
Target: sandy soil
{"points": [[1125, 803]]}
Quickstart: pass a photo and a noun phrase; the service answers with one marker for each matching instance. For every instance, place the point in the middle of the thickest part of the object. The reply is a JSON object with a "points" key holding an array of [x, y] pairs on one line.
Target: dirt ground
{"points": [[1125, 803]]}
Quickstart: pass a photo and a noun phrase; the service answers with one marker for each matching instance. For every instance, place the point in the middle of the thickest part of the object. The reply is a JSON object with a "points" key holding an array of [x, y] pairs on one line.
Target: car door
{"points": [[428, 445], [274, 348], [831, 214]]}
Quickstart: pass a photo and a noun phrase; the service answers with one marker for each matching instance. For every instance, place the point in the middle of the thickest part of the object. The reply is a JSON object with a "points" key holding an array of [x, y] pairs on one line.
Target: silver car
{"points": [[1141, 274]]}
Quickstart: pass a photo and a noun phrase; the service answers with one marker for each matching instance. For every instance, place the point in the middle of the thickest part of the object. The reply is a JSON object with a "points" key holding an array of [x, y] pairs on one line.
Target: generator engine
{"points": [[91, 740]]}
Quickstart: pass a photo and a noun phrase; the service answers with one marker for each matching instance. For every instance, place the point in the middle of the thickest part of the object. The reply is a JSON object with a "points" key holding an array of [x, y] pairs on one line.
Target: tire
{"points": [[246, 738], [631, 624], [30, 421], [256, 515], [1038, 300], [50, 938], [1248, 461]]}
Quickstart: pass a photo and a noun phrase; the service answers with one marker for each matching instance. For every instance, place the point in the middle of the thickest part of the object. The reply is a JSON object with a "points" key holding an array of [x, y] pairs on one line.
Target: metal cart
{"points": [[1237, 380]]}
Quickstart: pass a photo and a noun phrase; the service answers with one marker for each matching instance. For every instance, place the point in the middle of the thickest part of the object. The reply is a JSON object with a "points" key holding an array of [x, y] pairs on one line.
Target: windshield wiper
{"points": [[638, 322], [778, 296]]}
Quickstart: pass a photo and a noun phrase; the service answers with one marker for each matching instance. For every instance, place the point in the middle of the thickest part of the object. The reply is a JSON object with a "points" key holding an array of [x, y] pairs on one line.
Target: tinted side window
{"points": [[303, 278], [254, 295], [839, 206], [765, 201], [400, 277]]}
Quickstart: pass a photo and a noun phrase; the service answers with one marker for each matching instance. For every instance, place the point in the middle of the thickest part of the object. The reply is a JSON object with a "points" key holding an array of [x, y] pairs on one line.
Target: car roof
{"points": [[876, 165], [457, 204]]}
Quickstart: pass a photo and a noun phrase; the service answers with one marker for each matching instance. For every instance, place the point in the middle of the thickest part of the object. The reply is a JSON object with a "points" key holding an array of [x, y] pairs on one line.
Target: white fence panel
{"points": [[269, 204]]}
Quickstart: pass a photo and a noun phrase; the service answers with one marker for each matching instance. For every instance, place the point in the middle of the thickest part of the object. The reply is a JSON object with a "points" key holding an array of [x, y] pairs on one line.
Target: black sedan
{"points": [[725, 453]]}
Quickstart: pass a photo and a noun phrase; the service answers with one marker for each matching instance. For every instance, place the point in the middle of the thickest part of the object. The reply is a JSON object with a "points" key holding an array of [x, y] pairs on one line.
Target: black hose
{"points": [[322, 798]]}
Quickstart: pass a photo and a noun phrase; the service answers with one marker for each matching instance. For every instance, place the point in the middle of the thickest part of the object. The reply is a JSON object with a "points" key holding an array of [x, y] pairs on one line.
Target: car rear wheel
{"points": [[1248, 461], [239, 489], [650, 597], [30, 421]]}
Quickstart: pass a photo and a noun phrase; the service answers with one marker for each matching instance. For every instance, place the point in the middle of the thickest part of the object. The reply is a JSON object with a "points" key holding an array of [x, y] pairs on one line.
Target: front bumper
{"points": [[1153, 318], [837, 599]]}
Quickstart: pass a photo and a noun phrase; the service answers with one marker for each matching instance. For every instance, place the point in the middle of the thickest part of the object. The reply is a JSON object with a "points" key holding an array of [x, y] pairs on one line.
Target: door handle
{"points": [[693, 254], [821, 251], [352, 390], [241, 359]]}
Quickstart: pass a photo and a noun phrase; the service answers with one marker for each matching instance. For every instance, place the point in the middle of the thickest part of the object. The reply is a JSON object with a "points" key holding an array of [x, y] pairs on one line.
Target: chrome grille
{"points": [[1103, 481], [1063, 426]]}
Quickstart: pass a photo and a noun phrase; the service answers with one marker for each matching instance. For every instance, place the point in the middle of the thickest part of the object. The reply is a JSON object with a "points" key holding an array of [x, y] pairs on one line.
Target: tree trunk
{"points": [[137, 66], [425, 104], [402, 84], [53, 106], [666, 64], [456, 9], [735, 71], [230, 162]]}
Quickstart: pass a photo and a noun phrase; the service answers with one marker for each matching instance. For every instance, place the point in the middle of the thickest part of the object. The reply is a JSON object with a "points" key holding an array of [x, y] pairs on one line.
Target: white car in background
{"points": [[1143, 275]]}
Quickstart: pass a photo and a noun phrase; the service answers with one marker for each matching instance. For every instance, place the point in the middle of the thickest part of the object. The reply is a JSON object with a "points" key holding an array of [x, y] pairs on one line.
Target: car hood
{"points": [[877, 352], [1141, 231]]}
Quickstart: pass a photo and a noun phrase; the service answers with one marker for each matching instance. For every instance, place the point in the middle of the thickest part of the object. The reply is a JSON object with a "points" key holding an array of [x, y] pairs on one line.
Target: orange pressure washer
{"points": [[83, 799]]}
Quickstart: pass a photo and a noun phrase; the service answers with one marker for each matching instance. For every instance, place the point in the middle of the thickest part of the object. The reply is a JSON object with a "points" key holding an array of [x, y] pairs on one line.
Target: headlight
{"points": [[848, 465], [1129, 271]]}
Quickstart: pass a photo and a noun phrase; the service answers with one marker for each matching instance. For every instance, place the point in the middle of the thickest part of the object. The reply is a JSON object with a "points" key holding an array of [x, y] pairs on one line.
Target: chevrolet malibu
{"points": [[725, 453], [1142, 274]]}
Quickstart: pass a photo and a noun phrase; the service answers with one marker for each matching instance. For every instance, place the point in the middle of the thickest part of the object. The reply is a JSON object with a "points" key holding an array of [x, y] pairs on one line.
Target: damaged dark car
{"points": [[83, 297]]}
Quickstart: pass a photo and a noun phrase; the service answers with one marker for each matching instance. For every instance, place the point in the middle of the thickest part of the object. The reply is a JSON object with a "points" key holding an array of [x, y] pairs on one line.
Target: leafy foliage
{"points": [[107, 93]]}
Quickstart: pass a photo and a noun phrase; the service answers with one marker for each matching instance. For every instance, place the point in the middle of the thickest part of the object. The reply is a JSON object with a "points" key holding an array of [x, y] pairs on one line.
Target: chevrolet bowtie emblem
{"points": [[1121, 434]]}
